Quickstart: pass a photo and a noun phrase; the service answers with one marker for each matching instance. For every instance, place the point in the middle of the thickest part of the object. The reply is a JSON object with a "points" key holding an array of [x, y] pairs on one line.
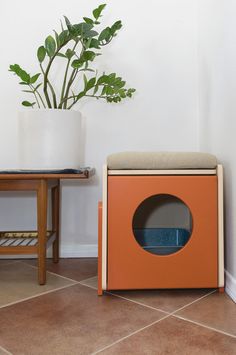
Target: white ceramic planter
{"points": [[49, 139]]}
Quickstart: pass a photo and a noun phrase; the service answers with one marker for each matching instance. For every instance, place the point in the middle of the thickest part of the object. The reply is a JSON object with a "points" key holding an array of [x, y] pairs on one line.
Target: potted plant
{"points": [[49, 134]]}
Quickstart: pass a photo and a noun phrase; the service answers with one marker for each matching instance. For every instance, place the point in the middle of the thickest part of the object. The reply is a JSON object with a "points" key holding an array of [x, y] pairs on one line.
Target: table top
{"points": [[82, 173]]}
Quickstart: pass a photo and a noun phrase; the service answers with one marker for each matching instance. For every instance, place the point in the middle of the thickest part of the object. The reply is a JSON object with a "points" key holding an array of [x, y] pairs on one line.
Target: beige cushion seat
{"points": [[161, 161]]}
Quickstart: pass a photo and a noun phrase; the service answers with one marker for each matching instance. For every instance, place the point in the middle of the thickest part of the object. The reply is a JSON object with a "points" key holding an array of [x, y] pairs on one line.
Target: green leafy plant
{"points": [[79, 45]]}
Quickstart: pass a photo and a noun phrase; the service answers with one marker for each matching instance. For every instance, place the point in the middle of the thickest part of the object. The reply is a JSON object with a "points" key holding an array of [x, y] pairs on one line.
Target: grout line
{"points": [[190, 303], [5, 350], [151, 307], [127, 336], [139, 303], [167, 316], [158, 309], [64, 277], [94, 288], [205, 326], [37, 295], [50, 272]]}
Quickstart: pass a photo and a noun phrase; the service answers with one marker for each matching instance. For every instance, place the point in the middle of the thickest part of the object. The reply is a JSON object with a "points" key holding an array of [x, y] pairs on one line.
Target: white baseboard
{"points": [[67, 251], [230, 285]]}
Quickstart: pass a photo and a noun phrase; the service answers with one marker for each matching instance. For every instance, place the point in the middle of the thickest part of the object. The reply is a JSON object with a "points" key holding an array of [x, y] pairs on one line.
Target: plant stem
{"points": [[39, 95], [51, 88], [46, 81], [97, 97], [45, 88], [70, 82], [32, 88], [66, 73], [73, 76], [41, 99], [53, 94]]}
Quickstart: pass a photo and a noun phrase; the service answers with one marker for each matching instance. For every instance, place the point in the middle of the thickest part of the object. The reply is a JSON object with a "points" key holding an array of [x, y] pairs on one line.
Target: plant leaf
{"points": [[34, 78], [57, 38], [69, 53], [61, 55], [68, 24], [110, 90], [88, 56], [111, 78], [81, 94], [122, 93], [36, 88], [71, 28], [84, 30], [130, 92], [90, 34], [94, 43], [105, 35], [62, 28], [28, 104], [90, 84], [104, 90], [103, 80], [50, 46], [116, 27], [77, 63], [15, 68], [88, 20], [96, 87], [83, 27], [97, 12], [122, 84], [63, 37], [41, 53]]}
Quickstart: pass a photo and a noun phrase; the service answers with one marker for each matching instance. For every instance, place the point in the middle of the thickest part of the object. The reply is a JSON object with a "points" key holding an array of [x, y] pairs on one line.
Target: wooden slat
{"points": [[220, 227], [100, 256], [25, 242], [85, 174], [104, 229], [42, 198], [22, 234], [3, 241], [56, 220], [18, 250], [18, 185], [164, 172]]}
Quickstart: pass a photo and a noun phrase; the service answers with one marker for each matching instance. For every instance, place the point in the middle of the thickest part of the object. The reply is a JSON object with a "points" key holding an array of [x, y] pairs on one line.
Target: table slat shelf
{"points": [[23, 242]]}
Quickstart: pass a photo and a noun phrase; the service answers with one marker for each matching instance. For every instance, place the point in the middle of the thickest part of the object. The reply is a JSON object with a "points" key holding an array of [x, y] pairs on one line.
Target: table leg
{"points": [[42, 229], [56, 220]]}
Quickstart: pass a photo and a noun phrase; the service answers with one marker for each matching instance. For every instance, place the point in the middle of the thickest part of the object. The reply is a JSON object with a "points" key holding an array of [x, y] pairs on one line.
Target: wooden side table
{"points": [[37, 242]]}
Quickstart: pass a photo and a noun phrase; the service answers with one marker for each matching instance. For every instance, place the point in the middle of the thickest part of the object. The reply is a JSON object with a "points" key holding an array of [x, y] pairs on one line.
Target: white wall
{"points": [[156, 54], [217, 69]]}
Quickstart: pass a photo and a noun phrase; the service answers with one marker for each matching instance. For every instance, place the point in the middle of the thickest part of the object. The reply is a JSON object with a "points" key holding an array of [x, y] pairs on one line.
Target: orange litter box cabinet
{"points": [[161, 222]]}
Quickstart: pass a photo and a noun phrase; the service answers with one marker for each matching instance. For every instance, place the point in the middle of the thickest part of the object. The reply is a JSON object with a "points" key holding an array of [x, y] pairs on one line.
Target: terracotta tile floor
{"points": [[67, 317]]}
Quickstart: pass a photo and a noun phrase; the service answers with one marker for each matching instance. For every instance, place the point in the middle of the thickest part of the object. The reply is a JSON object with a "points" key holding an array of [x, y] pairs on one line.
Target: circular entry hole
{"points": [[162, 224]]}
